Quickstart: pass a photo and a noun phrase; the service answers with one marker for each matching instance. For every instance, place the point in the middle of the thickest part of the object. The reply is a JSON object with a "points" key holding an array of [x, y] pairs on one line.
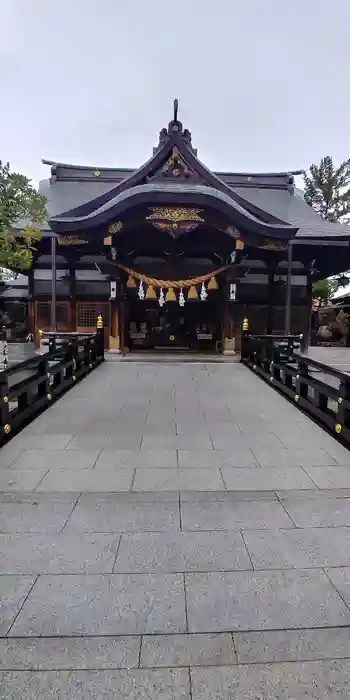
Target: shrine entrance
{"points": [[195, 327]]}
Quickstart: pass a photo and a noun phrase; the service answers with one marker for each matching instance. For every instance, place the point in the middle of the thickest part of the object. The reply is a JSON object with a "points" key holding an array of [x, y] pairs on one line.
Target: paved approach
{"points": [[337, 357], [174, 531]]}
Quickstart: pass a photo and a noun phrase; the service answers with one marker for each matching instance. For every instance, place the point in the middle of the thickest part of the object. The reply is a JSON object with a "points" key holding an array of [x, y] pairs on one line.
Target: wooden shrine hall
{"points": [[175, 255]]}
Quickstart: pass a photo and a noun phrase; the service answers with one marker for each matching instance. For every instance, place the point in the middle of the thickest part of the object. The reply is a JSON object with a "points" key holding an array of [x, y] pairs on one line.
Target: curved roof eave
{"points": [[159, 193], [74, 166], [108, 168], [139, 176]]}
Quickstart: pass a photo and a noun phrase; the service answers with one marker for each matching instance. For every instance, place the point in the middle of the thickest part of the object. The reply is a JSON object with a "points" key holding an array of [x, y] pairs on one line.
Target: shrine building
{"points": [[175, 255]]}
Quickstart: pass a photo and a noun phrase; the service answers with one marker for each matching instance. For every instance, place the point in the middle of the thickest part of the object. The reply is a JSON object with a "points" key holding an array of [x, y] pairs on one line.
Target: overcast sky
{"points": [[262, 84]]}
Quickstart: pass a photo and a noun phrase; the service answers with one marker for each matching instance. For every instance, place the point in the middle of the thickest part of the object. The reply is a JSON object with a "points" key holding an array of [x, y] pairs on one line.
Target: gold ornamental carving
{"points": [[71, 240], [273, 245], [176, 166], [175, 220], [176, 215], [115, 227]]}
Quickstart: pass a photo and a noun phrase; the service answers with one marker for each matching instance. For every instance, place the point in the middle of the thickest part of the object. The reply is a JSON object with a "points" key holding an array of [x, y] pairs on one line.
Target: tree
{"points": [[19, 200], [323, 290], [327, 189]]}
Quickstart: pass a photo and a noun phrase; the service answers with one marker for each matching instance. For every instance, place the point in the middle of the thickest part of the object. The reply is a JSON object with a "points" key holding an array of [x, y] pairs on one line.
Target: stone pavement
{"points": [[337, 357], [174, 531]]}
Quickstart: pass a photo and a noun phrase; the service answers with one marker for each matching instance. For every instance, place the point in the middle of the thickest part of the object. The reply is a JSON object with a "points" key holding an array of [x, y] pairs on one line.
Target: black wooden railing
{"points": [[32, 385], [320, 390]]}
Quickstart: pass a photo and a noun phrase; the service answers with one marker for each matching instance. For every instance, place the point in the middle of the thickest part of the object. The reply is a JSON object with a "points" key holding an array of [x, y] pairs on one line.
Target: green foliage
{"points": [[327, 189], [323, 290], [19, 200]]}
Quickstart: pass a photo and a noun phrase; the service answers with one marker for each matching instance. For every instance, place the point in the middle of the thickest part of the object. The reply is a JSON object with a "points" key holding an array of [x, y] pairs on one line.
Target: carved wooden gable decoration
{"points": [[175, 168]]}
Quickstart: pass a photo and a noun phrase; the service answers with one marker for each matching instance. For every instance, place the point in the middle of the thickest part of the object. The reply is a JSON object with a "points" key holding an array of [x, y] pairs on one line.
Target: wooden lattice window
{"points": [[87, 315]]}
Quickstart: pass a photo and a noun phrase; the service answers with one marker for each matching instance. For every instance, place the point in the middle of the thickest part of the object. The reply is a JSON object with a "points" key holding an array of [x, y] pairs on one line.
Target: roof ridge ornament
{"points": [[176, 108], [175, 127]]}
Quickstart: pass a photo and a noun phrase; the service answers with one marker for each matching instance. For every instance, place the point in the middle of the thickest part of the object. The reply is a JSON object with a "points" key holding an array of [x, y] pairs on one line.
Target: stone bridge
{"points": [[174, 531]]}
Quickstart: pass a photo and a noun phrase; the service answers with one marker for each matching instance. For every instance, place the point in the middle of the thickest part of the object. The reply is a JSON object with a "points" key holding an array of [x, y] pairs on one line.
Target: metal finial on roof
{"points": [[176, 107]]}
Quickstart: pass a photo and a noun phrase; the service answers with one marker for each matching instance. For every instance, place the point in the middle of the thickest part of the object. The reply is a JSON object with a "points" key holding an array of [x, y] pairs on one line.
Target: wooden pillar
{"points": [[53, 320], [307, 340], [31, 306], [114, 305], [114, 339], [72, 300], [288, 290], [270, 300], [229, 339]]}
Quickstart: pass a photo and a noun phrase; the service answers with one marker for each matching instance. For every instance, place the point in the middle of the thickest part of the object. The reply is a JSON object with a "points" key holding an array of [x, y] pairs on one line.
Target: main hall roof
{"points": [[78, 195]]}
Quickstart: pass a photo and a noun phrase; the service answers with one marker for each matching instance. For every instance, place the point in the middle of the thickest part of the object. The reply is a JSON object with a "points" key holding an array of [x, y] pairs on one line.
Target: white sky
{"points": [[262, 84]]}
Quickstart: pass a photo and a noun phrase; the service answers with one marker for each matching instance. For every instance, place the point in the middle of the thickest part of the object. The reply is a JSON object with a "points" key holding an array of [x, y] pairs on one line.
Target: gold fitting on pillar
{"points": [[245, 324], [99, 321]]}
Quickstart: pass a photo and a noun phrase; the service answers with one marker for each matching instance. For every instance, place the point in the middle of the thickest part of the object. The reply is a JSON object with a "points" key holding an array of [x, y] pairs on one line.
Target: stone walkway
{"points": [[336, 357], [174, 531]]}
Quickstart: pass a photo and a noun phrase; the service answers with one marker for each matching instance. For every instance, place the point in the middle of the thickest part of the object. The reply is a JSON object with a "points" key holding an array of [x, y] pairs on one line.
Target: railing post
{"points": [[74, 350], [343, 406], [301, 387], [87, 353], [244, 338], [100, 335], [303, 342], [44, 386], [4, 406], [5, 353], [52, 343]]}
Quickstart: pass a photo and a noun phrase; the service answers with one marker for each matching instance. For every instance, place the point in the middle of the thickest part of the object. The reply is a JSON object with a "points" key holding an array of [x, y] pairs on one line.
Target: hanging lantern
{"points": [[131, 284], [161, 299], [213, 283], [141, 291], [232, 292], [181, 298], [151, 292], [170, 295], [192, 293], [204, 294]]}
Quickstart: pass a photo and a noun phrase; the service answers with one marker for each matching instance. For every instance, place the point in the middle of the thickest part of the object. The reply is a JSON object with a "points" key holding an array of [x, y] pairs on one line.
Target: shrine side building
{"points": [[175, 255]]}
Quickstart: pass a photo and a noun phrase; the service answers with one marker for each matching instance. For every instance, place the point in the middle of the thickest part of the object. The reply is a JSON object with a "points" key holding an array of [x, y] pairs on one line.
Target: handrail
{"points": [[291, 373], [67, 334], [46, 377], [327, 369]]}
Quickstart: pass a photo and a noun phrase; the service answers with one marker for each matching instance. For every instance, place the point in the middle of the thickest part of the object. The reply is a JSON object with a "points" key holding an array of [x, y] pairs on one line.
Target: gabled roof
{"points": [[85, 196], [172, 174], [167, 193], [294, 209]]}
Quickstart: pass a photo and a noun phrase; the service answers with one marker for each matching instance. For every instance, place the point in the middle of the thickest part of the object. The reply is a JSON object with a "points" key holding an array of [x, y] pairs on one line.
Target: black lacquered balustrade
{"points": [[319, 389], [30, 386]]}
